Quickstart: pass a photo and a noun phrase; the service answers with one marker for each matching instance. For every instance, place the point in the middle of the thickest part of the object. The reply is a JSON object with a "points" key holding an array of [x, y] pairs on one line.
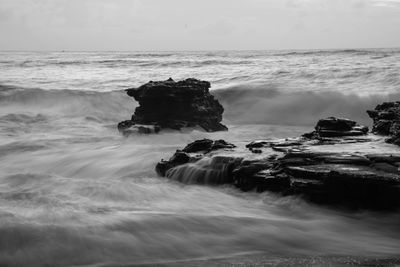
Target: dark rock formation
{"points": [[336, 127], [349, 179], [386, 119], [174, 105], [333, 165]]}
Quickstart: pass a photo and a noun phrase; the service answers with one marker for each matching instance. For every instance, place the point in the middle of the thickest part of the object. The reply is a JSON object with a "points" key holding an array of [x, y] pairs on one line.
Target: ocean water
{"points": [[74, 192]]}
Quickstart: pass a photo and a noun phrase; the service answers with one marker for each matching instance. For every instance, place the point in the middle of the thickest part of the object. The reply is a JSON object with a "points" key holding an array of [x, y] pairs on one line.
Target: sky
{"points": [[176, 25]]}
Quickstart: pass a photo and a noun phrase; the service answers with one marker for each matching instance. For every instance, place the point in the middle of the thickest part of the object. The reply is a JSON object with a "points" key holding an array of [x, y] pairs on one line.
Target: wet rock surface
{"points": [[347, 171], [204, 146], [207, 145], [337, 127], [175, 105], [386, 119]]}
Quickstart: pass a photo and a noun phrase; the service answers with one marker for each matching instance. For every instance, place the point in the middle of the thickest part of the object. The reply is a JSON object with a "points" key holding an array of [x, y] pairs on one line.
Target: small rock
{"points": [[207, 145], [336, 127]]}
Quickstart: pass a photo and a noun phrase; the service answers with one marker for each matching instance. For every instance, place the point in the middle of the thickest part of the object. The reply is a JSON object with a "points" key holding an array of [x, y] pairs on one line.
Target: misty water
{"points": [[73, 191]]}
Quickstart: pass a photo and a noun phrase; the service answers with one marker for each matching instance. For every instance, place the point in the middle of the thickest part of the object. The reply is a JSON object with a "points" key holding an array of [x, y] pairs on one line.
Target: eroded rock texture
{"points": [[174, 105], [386, 118]]}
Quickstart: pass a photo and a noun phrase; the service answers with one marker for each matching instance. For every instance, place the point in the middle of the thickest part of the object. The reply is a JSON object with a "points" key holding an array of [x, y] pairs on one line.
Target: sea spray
{"points": [[244, 104], [266, 104]]}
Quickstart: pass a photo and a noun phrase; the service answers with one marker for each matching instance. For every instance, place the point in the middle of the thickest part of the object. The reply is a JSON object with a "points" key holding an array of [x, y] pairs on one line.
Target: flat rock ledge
{"points": [[173, 105], [350, 171]]}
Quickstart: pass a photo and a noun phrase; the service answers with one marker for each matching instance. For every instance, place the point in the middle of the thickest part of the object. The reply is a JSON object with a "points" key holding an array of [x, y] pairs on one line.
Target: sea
{"points": [[75, 192]]}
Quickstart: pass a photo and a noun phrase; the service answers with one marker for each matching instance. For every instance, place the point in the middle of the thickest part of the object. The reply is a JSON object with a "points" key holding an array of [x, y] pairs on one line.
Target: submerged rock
{"points": [[175, 105], [128, 127], [386, 119]]}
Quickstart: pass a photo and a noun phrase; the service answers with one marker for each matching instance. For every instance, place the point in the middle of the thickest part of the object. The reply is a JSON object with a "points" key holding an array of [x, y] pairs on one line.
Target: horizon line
{"points": [[207, 50]]}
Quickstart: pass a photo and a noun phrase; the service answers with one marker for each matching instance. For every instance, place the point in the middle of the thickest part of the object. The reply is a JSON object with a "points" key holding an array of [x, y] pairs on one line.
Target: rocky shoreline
{"points": [[349, 171], [340, 163]]}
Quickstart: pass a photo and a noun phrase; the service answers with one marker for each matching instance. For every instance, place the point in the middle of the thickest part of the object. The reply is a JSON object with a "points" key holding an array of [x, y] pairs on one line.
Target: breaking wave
{"points": [[268, 105], [103, 106], [244, 104]]}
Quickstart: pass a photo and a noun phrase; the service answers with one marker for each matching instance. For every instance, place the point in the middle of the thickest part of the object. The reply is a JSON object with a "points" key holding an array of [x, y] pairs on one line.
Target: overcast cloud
{"points": [[198, 24]]}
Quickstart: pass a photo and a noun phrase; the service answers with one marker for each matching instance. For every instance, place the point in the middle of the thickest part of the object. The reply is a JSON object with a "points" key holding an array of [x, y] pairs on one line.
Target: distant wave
{"points": [[20, 147], [333, 52], [380, 56], [22, 118], [223, 62], [4, 88], [147, 55], [108, 62], [131, 62], [15, 103]]}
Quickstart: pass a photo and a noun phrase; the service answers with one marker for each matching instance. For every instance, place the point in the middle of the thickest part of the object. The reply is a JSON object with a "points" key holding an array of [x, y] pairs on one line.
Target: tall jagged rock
{"points": [[174, 105]]}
